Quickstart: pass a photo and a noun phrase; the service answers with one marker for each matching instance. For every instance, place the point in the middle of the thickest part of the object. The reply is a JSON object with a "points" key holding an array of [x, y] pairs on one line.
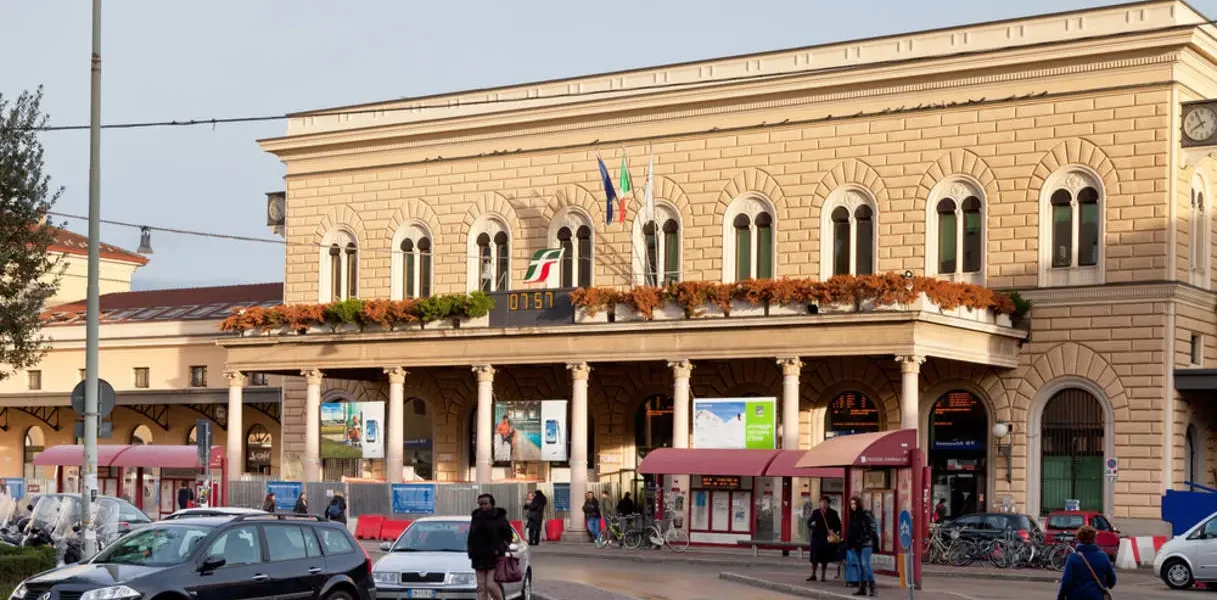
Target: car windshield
{"points": [[434, 536], [158, 546], [1065, 521]]}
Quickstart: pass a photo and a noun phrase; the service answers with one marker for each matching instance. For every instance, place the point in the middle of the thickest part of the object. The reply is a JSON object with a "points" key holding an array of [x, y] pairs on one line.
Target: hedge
{"points": [[19, 563]]}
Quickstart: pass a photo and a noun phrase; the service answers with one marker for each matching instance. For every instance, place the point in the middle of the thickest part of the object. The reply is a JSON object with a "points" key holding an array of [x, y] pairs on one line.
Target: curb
{"points": [[783, 588], [672, 558]]}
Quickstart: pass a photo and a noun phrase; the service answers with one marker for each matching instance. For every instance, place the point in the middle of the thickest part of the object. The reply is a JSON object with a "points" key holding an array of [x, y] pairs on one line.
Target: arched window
{"points": [[258, 449], [490, 243], [571, 230], [955, 231], [748, 241], [412, 262], [657, 247], [1072, 451], [339, 266], [1200, 239], [849, 413], [35, 443], [1071, 228], [142, 436], [848, 245]]}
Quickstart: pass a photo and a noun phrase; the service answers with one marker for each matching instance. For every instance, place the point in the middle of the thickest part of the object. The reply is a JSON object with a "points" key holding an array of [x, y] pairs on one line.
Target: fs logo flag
{"points": [[543, 262]]}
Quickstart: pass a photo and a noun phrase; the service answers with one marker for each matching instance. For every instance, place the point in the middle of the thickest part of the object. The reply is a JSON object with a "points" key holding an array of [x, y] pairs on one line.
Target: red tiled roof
{"points": [[73, 243], [181, 304]]}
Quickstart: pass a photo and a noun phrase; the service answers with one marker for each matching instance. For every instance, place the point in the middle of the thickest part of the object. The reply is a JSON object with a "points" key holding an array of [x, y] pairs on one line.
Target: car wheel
{"points": [[1177, 574], [526, 591], [338, 595]]}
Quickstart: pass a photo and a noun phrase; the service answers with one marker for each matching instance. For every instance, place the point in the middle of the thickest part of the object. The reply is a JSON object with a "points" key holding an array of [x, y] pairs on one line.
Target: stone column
{"points": [[485, 422], [791, 366], [579, 372], [312, 425], [681, 371], [236, 429], [397, 426], [910, 371]]}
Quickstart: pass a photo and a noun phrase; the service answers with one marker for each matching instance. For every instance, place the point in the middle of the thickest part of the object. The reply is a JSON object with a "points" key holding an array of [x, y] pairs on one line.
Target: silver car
{"points": [[1191, 557], [429, 560]]}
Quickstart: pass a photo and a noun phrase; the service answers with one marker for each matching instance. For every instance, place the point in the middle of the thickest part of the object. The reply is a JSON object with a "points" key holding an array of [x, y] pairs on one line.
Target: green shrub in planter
{"points": [[19, 563]]}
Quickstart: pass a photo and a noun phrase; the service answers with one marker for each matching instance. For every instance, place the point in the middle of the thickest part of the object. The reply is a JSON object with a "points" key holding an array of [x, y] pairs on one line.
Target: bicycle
{"points": [[614, 530], [664, 533]]}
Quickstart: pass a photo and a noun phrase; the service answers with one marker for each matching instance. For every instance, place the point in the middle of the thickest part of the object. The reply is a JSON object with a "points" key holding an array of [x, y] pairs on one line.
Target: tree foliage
{"points": [[28, 275]]}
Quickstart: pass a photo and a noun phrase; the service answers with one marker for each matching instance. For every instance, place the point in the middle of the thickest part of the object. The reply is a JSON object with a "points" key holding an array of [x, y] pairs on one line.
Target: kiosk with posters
{"points": [[138, 458]]}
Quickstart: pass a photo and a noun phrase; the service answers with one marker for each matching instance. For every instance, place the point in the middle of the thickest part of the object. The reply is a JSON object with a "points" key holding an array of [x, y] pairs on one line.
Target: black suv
{"points": [[988, 526], [293, 557]]}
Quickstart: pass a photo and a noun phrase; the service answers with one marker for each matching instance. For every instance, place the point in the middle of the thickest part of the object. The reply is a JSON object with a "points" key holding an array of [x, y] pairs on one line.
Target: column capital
{"points": [[235, 378], [314, 376], [579, 370], [791, 365], [681, 368], [484, 372], [910, 363], [396, 374]]}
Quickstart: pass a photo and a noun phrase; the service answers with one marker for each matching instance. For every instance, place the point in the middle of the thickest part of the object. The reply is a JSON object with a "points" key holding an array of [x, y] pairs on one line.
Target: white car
{"points": [[429, 560], [215, 511], [1191, 557]]}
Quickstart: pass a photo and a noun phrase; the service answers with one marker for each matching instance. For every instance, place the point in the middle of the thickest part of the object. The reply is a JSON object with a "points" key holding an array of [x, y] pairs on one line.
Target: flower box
{"points": [[789, 309], [624, 313], [438, 324], [1004, 321], [670, 311], [475, 322], [744, 308], [582, 316]]}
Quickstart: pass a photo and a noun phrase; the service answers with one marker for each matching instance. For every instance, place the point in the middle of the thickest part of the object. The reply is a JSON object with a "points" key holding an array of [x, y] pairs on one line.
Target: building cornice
{"points": [[1132, 293], [250, 395]]}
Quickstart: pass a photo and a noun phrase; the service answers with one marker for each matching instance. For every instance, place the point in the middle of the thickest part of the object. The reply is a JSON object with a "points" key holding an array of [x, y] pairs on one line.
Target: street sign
{"points": [[906, 530], [105, 398], [1111, 468], [203, 439], [105, 429]]}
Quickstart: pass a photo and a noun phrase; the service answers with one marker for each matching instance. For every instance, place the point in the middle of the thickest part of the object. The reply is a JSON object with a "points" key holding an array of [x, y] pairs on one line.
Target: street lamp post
{"points": [[89, 489]]}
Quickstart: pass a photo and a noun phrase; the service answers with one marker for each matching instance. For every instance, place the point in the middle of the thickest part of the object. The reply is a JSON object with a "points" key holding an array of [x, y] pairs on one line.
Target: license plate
{"points": [[420, 593]]}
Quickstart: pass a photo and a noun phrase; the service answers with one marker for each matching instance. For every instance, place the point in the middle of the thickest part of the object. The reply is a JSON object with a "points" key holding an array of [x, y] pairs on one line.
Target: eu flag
{"points": [[609, 193]]}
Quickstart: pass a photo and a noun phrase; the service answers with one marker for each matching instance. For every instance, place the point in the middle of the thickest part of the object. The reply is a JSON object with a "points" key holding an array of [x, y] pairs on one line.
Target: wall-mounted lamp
{"points": [[1005, 446]]}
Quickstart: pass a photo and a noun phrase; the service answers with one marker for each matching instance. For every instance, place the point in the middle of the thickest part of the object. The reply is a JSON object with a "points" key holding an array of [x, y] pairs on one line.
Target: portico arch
{"points": [[1035, 437]]}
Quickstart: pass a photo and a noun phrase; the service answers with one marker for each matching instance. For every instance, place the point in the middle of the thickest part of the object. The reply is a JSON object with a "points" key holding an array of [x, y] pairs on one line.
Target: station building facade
{"points": [[1040, 155]]}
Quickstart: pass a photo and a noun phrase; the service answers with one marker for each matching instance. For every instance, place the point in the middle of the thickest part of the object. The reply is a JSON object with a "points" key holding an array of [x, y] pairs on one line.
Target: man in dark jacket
{"points": [[489, 537], [536, 515], [626, 506], [1088, 571], [185, 496], [337, 510], [591, 514]]}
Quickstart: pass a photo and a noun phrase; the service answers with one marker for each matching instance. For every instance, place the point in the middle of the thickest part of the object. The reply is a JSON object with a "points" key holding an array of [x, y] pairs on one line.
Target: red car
{"points": [[1066, 523]]}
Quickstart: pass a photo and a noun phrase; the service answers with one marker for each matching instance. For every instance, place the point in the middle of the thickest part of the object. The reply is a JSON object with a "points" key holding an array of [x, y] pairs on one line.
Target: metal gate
{"points": [[1072, 451]]}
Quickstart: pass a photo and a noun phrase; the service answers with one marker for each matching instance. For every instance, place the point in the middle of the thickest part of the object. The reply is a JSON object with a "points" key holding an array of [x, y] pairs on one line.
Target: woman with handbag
{"points": [[489, 536], [825, 527], [1088, 573]]}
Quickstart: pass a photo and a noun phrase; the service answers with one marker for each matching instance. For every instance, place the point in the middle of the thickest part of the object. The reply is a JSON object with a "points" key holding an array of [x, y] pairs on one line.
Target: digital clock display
{"points": [[531, 308]]}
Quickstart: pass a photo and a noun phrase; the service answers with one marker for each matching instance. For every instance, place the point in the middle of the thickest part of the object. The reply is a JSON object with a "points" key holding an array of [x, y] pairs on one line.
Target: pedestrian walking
{"points": [[337, 510], [489, 536], [185, 496], [861, 541], [591, 513], [301, 507], [268, 504], [1088, 573], [535, 510], [825, 527]]}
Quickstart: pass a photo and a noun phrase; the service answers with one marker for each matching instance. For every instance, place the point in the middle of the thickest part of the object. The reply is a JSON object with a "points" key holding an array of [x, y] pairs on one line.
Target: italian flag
{"points": [[543, 261]]}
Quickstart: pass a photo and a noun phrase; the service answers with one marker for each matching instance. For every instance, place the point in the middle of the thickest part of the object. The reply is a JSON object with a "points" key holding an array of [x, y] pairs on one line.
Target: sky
{"points": [[226, 58]]}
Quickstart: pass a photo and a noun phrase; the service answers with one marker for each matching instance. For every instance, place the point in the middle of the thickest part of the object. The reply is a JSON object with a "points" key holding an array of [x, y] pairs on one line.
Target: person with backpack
{"points": [[337, 510], [1088, 574]]}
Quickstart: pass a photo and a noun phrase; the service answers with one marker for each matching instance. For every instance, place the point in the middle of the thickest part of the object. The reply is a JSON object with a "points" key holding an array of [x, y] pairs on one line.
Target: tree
{"points": [[28, 275]]}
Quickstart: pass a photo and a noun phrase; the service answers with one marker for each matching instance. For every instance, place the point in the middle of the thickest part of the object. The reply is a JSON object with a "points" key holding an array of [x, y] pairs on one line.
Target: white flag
{"points": [[648, 201]]}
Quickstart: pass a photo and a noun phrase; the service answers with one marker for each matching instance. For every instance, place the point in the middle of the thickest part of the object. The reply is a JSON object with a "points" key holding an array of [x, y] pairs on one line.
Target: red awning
{"points": [[784, 466], [880, 449], [122, 455], [706, 461], [73, 455], [170, 457]]}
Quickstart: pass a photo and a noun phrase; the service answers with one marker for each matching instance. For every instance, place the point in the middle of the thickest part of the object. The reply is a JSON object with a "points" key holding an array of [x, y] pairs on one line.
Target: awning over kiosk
{"points": [[707, 461], [879, 449], [122, 455], [783, 465]]}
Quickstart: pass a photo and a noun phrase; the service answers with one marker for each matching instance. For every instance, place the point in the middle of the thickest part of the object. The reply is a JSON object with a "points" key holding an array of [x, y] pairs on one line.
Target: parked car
{"points": [[214, 511], [1064, 524], [1187, 559], [217, 558], [429, 560], [987, 526]]}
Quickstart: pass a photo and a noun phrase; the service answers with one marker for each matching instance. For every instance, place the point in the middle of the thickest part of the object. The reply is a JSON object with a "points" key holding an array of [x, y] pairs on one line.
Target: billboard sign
{"points": [[532, 430], [735, 423], [352, 430]]}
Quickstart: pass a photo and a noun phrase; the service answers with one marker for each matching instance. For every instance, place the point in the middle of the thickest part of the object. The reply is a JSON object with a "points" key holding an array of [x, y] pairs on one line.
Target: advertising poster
{"points": [[352, 430], [735, 423], [286, 493], [414, 498], [528, 431], [13, 486]]}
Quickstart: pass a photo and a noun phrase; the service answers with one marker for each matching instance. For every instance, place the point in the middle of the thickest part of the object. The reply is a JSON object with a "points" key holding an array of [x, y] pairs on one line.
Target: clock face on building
{"points": [[275, 210], [1200, 123]]}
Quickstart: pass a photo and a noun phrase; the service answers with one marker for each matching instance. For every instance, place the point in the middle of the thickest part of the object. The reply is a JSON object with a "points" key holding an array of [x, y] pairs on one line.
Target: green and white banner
{"points": [[735, 423]]}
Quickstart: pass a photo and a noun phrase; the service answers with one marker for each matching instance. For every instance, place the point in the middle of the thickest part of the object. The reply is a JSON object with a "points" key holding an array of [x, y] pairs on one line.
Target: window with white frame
{"points": [[657, 247], [748, 240], [412, 262], [571, 230], [489, 254], [1200, 238], [848, 243], [1071, 228], [339, 266], [955, 236]]}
